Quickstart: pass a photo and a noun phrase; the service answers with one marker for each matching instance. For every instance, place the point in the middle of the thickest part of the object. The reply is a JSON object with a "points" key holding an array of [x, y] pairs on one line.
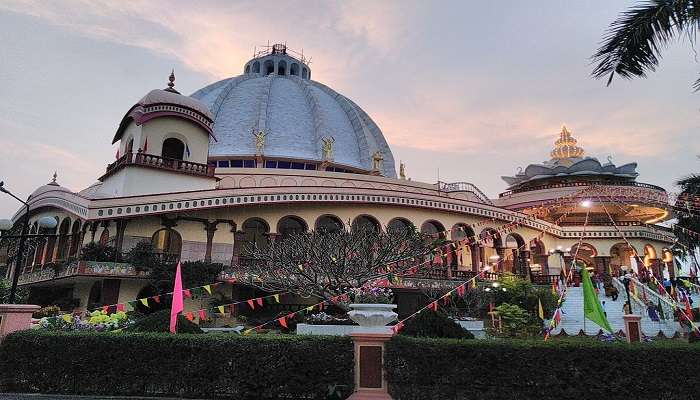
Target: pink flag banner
{"points": [[177, 304]]}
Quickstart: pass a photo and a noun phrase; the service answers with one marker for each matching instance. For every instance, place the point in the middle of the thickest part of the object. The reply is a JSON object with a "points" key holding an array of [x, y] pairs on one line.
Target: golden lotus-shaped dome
{"points": [[565, 146]]}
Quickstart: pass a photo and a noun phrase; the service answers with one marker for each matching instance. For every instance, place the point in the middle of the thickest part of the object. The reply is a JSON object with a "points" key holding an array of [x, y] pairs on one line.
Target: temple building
{"points": [[256, 157]]}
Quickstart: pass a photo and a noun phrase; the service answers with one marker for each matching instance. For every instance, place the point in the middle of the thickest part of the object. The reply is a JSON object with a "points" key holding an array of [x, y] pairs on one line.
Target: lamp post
{"points": [[22, 239], [5, 225]]}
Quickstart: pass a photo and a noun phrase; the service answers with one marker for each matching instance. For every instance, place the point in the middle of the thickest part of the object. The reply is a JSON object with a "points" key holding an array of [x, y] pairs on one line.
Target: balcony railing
{"points": [[83, 268], [578, 184], [153, 161]]}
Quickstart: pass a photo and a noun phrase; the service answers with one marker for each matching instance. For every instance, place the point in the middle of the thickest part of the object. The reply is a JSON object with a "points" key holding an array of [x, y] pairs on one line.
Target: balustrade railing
{"points": [[78, 268], [578, 184], [150, 160]]}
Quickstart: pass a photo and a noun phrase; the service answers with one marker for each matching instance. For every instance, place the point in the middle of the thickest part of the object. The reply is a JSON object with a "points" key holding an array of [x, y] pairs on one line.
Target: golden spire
{"points": [[565, 146]]}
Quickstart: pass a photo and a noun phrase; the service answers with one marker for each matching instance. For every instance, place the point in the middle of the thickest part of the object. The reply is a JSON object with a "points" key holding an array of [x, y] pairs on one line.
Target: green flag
{"points": [[661, 311], [591, 303]]}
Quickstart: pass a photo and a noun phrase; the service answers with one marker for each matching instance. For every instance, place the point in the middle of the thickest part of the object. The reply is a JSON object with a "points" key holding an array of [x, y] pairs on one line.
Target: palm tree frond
{"points": [[633, 43]]}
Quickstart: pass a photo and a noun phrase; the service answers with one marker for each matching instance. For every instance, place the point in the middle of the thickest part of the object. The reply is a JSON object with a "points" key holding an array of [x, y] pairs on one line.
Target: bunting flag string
{"points": [[669, 298]]}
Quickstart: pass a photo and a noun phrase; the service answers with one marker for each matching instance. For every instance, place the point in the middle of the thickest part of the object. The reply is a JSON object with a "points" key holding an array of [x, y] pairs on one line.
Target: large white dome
{"points": [[276, 96]]}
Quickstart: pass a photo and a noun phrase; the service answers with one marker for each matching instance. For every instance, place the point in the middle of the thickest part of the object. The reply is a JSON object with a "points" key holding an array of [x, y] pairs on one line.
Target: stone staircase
{"points": [[572, 320]]}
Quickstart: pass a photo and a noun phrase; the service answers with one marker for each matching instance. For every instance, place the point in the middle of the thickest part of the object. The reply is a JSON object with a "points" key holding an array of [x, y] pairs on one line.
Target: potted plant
{"points": [[373, 306]]}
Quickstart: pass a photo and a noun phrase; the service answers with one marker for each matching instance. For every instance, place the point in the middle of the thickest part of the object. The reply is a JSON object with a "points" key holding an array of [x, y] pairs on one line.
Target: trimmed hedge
{"points": [[197, 366], [558, 369]]}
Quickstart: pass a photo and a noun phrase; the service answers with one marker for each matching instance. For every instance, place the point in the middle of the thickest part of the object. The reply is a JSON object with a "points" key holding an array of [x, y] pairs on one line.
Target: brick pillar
{"points": [[370, 377], [476, 257], [210, 228]]}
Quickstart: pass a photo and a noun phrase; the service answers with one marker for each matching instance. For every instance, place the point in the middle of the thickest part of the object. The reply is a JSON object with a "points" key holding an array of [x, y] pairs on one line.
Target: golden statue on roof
{"points": [[565, 146]]}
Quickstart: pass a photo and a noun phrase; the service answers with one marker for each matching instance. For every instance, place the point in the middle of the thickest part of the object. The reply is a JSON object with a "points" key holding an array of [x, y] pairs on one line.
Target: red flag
{"points": [[251, 304], [461, 289], [260, 301], [688, 309], [320, 306], [449, 255], [189, 316], [187, 293], [283, 322], [202, 315], [120, 307], [145, 145], [396, 328], [438, 259], [156, 299], [105, 308], [433, 306]]}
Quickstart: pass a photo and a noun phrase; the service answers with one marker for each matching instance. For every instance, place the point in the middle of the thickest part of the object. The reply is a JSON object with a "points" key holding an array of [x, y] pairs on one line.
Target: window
{"points": [[167, 242], [269, 67], [329, 223], [365, 222], [270, 164], [256, 67], [249, 163], [173, 148], [223, 164]]}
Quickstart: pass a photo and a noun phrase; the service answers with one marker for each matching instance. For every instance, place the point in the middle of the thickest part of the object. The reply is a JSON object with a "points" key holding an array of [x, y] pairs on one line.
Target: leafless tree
{"points": [[325, 264]]}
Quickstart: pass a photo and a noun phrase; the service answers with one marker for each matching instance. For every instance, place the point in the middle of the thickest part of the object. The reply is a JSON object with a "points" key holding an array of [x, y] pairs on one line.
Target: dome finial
{"points": [[171, 82], [53, 180], [565, 146]]}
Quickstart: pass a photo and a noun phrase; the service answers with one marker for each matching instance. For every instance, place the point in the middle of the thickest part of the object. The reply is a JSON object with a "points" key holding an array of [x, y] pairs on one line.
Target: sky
{"points": [[471, 89]]}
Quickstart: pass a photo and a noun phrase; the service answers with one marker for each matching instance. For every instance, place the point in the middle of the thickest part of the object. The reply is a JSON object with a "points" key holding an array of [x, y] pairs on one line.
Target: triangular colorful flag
{"points": [[156, 299], [190, 316], [207, 288], [260, 301], [396, 328], [283, 322], [221, 309], [251, 304], [433, 306], [540, 310], [202, 315], [144, 301], [187, 293], [276, 297]]}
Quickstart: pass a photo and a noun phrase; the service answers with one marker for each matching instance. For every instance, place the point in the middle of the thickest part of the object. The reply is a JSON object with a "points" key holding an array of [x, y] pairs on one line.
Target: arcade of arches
{"points": [[507, 252]]}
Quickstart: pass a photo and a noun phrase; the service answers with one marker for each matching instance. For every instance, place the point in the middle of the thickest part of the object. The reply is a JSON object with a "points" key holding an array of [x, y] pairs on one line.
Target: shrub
{"points": [[159, 321], [153, 364], [96, 251], [435, 324], [524, 369], [5, 286]]}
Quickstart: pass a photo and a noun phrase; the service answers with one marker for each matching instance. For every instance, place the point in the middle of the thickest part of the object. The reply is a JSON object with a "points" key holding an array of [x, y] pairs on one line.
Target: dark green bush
{"points": [[558, 369], [194, 366], [435, 324], [159, 321], [96, 251]]}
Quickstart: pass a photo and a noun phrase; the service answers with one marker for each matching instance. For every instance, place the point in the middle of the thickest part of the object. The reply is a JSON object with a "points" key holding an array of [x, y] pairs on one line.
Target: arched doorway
{"points": [[63, 239], [399, 225], [365, 223], [329, 223], [622, 257], [173, 148], [255, 236], [515, 259], [583, 255], [290, 225], [462, 235], [434, 230], [490, 245], [167, 244]]}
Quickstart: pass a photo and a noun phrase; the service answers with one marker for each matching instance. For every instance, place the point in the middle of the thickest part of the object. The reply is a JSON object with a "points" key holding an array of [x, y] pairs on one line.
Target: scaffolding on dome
{"points": [[280, 48]]}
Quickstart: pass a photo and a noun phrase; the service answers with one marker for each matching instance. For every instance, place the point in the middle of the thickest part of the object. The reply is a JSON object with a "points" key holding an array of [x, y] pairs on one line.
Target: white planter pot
{"points": [[372, 315]]}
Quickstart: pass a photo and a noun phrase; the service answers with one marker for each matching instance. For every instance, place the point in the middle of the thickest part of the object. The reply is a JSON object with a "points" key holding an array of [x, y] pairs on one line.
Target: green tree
{"points": [[687, 215], [5, 285], [633, 43]]}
